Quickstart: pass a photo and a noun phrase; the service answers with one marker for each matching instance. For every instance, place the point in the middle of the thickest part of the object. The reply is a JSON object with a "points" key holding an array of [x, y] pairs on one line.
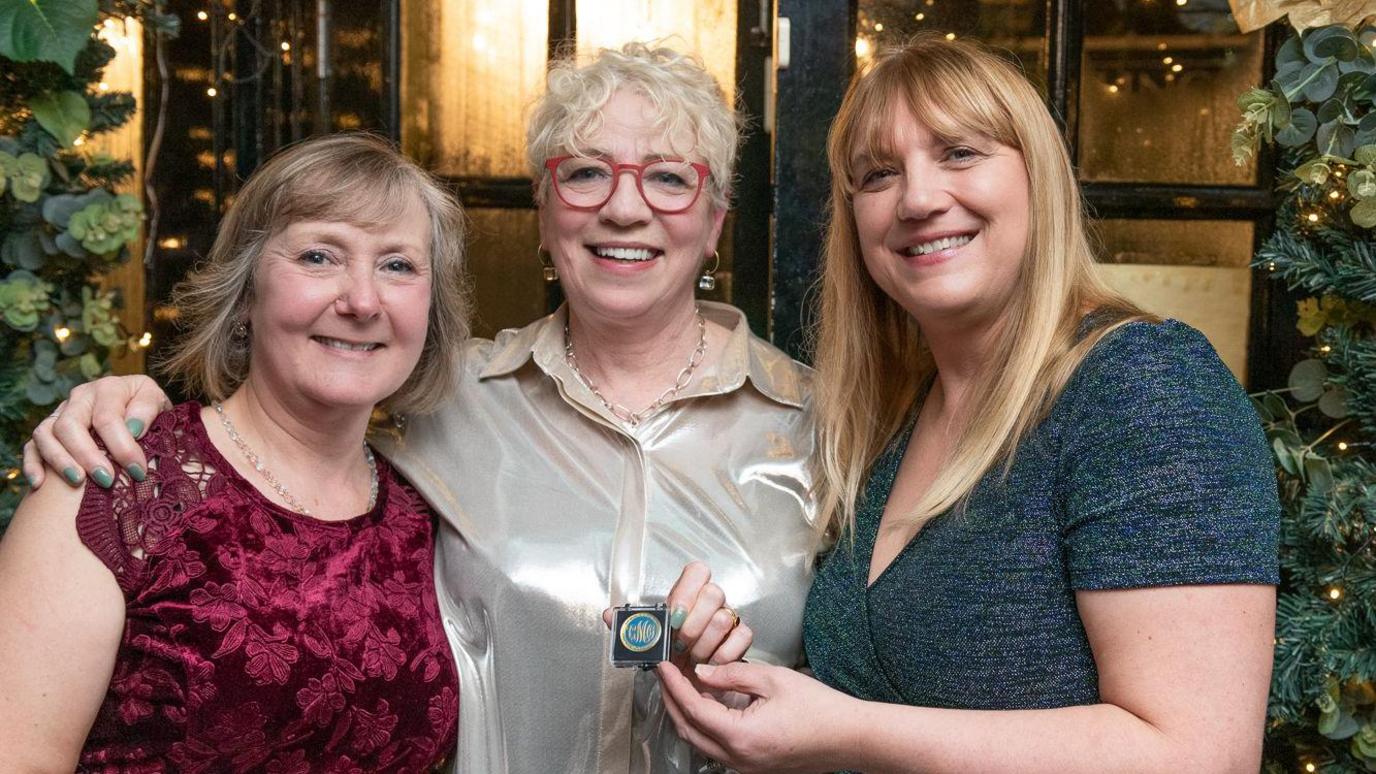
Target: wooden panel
{"points": [[1217, 301]]}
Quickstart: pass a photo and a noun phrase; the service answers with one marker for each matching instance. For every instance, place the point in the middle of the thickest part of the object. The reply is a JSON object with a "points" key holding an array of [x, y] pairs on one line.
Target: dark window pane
{"points": [[1015, 27], [1158, 82]]}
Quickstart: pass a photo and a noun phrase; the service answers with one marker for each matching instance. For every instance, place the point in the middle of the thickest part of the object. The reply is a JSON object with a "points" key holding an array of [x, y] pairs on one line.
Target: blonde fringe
{"points": [[871, 361]]}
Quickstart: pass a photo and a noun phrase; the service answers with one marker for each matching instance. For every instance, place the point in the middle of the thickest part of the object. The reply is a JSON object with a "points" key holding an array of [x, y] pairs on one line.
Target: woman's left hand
{"points": [[792, 722]]}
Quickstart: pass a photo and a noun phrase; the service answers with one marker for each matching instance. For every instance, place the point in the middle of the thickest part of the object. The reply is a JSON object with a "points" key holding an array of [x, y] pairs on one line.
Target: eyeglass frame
{"points": [[703, 171]]}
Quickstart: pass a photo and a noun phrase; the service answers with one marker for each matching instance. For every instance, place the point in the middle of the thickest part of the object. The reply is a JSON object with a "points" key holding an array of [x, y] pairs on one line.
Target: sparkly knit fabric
{"points": [[259, 639], [1150, 470]]}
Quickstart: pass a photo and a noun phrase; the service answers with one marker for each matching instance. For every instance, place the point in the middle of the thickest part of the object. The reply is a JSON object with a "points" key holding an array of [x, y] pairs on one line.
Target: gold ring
{"points": [[735, 617]]}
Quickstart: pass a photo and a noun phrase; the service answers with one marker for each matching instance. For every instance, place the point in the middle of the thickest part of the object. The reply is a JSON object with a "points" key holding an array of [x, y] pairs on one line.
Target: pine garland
{"points": [[1322, 110]]}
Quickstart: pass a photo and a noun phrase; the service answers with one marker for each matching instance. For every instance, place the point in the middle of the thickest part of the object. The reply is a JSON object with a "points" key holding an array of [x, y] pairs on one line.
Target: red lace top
{"points": [[260, 639]]}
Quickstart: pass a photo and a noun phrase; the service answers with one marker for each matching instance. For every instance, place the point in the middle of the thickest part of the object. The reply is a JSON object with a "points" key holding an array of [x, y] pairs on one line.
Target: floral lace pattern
{"points": [[260, 639]]}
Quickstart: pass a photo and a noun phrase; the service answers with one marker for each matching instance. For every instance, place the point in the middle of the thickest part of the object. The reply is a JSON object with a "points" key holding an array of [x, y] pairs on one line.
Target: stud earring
{"points": [[708, 280], [547, 264], [240, 330]]}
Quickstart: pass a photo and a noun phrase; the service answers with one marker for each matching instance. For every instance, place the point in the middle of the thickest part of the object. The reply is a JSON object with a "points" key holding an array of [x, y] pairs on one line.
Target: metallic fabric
{"points": [[554, 510]]}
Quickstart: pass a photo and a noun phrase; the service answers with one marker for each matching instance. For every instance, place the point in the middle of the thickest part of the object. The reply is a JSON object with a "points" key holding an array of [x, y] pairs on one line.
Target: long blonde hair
{"points": [[871, 360]]}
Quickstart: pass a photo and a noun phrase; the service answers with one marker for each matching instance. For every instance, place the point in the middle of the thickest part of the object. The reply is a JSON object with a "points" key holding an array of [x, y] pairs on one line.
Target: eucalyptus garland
{"points": [[62, 223], [1321, 111]]}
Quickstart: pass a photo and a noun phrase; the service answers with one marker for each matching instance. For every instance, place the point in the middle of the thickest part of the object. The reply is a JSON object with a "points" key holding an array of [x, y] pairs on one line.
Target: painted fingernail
{"points": [[135, 428], [136, 472], [72, 475], [679, 647], [32, 479], [704, 669], [102, 476], [678, 616]]}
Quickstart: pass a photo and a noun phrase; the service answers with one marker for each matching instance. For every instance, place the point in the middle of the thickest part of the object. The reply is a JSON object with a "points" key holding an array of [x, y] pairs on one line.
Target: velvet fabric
{"points": [[257, 638]]}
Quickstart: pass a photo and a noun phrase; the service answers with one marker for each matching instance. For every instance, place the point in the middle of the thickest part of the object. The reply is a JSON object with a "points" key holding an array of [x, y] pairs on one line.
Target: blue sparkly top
{"points": [[1151, 469]]}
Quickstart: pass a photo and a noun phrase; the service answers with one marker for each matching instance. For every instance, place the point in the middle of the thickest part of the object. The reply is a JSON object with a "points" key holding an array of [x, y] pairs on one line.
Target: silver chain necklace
{"points": [[619, 411], [276, 485]]}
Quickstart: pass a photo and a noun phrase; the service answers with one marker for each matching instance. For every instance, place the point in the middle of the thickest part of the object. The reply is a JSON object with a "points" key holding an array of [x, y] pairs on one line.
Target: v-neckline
{"points": [[890, 461]]}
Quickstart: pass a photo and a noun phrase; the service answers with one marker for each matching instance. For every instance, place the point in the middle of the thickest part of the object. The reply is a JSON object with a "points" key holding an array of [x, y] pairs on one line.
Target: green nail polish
{"points": [[33, 482], [136, 472], [135, 428], [677, 617], [102, 476], [72, 475], [679, 647]]}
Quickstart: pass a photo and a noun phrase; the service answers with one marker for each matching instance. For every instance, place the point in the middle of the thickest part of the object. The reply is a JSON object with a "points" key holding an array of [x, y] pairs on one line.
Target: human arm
{"points": [[1183, 676], [118, 409], [61, 618]]}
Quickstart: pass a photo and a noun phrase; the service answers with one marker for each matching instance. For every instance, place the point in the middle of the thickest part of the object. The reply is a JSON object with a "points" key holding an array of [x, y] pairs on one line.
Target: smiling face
{"points": [[942, 223], [624, 261], [340, 310]]}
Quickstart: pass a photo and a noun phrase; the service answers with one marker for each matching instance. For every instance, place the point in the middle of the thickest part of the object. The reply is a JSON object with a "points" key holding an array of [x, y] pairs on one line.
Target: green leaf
{"points": [[46, 30], [1291, 53], [1366, 154], [63, 114], [40, 393], [1317, 472], [1334, 402], [1307, 378], [1362, 184], [1317, 82], [1331, 110], [1335, 41], [1285, 457], [1276, 405], [91, 368], [1263, 413], [1336, 139], [1301, 129], [1364, 214], [1315, 172]]}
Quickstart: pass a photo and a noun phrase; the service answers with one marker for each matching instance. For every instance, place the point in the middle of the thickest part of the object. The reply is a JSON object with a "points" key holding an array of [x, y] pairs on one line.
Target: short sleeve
{"points": [[1165, 476]]}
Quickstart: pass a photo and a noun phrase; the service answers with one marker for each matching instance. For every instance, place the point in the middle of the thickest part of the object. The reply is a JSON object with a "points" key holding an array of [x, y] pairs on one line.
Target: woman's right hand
{"points": [[118, 408]]}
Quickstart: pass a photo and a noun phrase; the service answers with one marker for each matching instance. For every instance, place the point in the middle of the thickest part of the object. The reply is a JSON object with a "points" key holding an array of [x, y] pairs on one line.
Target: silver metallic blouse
{"points": [[554, 510]]}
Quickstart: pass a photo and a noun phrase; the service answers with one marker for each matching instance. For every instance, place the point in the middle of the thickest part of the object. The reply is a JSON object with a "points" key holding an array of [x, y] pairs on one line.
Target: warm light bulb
{"points": [[1342, 445], [1335, 593], [1313, 217], [1181, 2], [13, 474], [862, 47], [1113, 88], [1175, 68], [145, 339], [879, 27], [231, 16], [950, 36], [62, 333], [1334, 195], [210, 92], [286, 46], [1310, 767], [104, 86], [1161, 46], [920, 16], [202, 15], [1325, 348], [1168, 60]]}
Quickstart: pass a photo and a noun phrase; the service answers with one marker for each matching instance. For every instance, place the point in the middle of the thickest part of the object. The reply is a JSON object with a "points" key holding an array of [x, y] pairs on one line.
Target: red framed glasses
{"points": [[667, 185]]}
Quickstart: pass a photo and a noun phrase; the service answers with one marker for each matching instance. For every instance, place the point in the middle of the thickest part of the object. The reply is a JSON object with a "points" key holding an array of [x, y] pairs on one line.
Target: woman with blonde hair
{"points": [[1056, 515]]}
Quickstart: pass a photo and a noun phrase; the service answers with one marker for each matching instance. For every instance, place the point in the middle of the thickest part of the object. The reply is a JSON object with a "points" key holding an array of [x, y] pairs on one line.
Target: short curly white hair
{"points": [[686, 98]]}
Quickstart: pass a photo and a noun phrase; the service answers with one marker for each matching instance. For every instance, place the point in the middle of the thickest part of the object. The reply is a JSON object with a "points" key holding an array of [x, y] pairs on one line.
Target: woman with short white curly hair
{"points": [[592, 454]]}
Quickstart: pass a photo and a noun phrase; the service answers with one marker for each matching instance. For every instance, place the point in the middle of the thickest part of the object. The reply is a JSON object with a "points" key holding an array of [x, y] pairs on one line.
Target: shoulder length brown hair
{"points": [[352, 177]]}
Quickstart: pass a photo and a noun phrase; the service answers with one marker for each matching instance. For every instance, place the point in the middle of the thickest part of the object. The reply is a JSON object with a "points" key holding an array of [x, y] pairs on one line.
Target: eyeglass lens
{"points": [[667, 185]]}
